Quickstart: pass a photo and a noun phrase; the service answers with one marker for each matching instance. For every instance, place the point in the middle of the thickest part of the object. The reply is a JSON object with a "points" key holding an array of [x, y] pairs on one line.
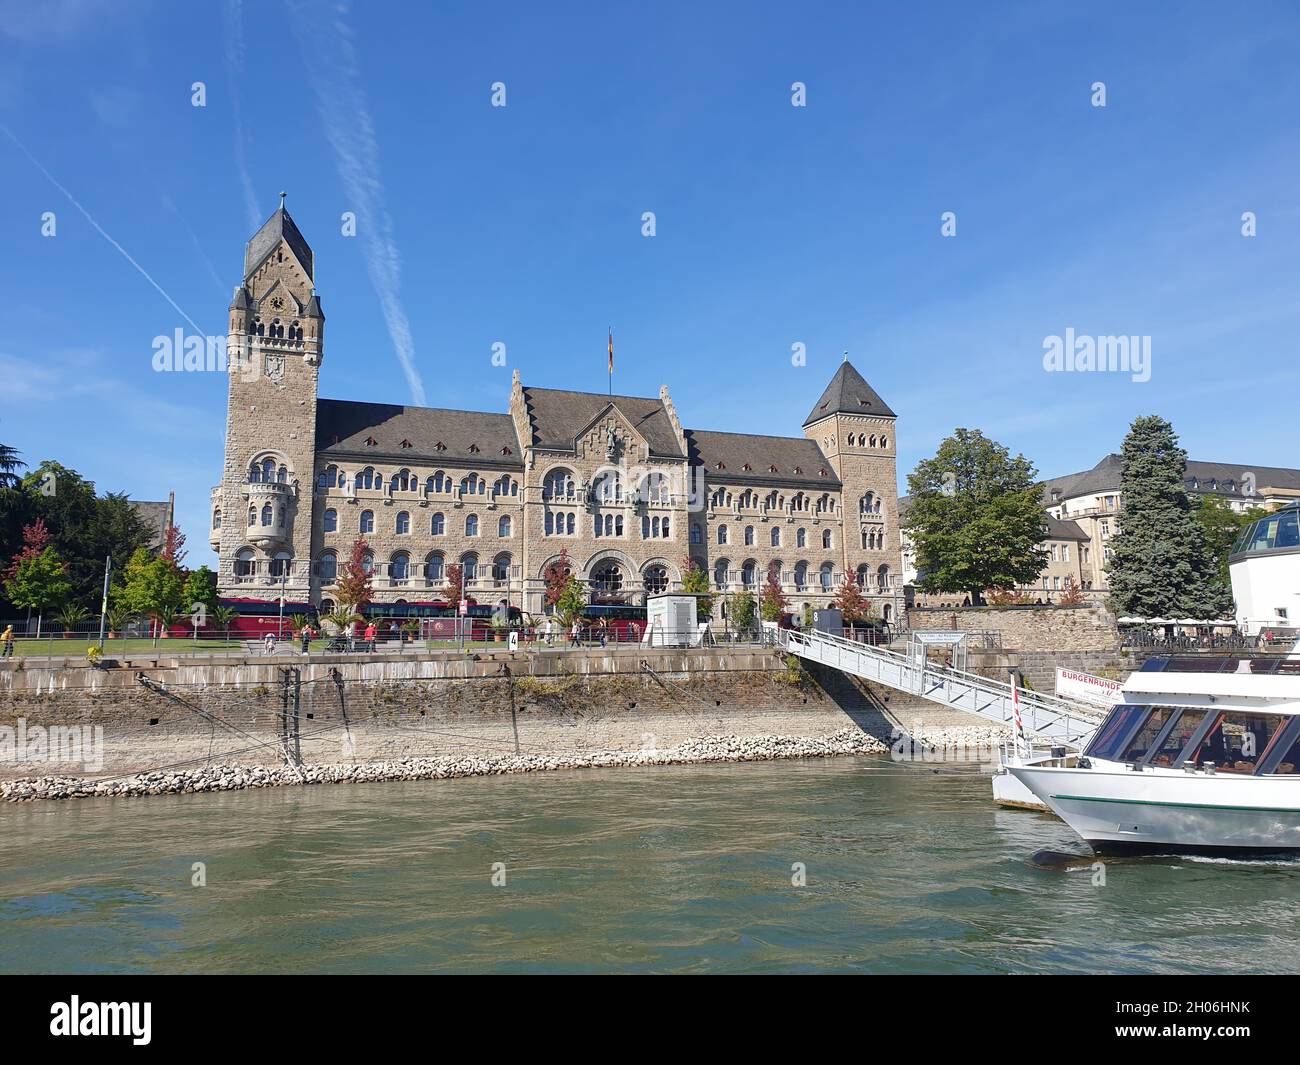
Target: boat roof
{"points": [[1274, 693]]}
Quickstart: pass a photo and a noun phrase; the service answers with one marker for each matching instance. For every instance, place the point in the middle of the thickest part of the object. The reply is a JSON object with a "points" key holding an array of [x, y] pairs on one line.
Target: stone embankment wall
{"points": [[1083, 628], [330, 710]]}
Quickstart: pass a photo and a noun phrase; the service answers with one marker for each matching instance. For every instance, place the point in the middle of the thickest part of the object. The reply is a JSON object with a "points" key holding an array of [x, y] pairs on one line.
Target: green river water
{"points": [[676, 869]]}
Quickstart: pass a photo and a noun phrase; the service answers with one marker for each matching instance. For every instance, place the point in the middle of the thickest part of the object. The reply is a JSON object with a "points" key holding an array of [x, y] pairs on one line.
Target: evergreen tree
{"points": [[975, 517], [10, 464], [1160, 565]]}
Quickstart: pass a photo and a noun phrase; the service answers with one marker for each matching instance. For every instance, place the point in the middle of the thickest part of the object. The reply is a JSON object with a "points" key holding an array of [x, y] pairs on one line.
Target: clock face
{"points": [[277, 302]]}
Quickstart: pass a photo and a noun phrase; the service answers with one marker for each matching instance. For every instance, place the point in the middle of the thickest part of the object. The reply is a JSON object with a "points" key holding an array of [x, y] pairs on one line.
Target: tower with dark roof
{"points": [[275, 343], [856, 429]]}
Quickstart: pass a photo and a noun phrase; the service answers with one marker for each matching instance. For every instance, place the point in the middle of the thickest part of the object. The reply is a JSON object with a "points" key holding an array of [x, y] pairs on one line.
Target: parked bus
{"points": [[437, 618]]}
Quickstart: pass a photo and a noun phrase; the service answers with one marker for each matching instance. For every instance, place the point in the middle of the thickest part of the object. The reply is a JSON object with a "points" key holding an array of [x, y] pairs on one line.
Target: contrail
{"points": [[326, 43], [234, 25], [100, 229]]}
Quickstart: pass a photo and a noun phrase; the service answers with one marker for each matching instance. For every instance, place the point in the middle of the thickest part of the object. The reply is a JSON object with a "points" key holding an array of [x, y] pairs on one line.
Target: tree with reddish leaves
{"points": [[36, 538], [1072, 594], [173, 548], [850, 602], [354, 590], [454, 590], [773, 604], [556, 576]]}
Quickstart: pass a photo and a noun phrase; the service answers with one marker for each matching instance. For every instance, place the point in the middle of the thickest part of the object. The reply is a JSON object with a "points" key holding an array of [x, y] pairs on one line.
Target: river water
{"points": [[675, 869]]}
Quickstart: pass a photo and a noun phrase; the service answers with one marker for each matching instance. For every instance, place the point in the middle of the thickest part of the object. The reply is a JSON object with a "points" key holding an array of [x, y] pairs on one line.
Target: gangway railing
{"points": [[1047, 716]]}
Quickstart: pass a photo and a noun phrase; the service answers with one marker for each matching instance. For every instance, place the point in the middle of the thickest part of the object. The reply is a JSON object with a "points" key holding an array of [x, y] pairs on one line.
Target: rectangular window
{"points": [[1113, 736], [1236, 740], [1177, 733], [1283, 754]]}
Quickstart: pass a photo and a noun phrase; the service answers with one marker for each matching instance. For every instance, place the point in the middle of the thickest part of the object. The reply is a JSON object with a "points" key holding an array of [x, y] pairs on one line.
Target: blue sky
{"points": [[776, 225]]}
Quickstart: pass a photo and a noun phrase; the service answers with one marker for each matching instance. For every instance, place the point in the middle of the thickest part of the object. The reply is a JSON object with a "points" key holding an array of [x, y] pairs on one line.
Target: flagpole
{"points": [[611, 361]]}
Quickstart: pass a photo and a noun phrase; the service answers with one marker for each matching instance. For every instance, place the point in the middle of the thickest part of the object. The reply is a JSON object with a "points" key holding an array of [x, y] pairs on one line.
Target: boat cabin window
{"points": [[1144, 739], [1283, 755], [1236, 740], [1177, 733], [1116, 732]]}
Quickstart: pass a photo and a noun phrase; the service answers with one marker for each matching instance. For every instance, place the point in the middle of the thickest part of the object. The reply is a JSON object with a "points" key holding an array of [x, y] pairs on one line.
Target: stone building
{"points": [[616, 481]]}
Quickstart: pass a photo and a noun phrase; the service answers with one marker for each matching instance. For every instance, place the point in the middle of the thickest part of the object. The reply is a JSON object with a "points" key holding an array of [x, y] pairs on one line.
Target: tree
{"points": [[454, 588], [39, 581], [695, 581], [1222, 526], [1071, 593], [851, 602], [556, 576], [975, 517], [10, 464], [742, 611], [173, 548], [572, 601], [1160, 563], [353, 589], [773, 603], [200, 588], [152, 587]]}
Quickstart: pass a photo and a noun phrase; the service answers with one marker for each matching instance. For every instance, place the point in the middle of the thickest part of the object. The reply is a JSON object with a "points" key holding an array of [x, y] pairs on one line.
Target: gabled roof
{"points": [[848, 393], [279, 225], [346, 427], [1216, 478], [557, 417], [725, 455], [1064, 530]]}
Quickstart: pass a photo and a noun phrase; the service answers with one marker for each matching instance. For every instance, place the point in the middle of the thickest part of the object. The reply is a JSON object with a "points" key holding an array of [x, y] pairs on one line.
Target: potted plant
{"points": [[410, 630], [119, 617], [69, 617]]}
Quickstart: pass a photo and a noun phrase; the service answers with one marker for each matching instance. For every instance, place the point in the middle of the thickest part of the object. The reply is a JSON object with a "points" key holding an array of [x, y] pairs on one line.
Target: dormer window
{"points": [[747, 467], [721, 466], [798, 469], [473, 448], [822, 472], [371, 442], [507, 451], [773, 469], [439, 446], [864, 403], [406, 443]]}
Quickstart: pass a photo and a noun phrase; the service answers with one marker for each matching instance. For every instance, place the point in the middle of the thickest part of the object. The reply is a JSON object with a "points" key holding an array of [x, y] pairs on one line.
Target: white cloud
{"points": [[331, 61]]}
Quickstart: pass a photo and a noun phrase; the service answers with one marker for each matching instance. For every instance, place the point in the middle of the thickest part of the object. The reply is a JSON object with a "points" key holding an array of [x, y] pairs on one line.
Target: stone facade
{"points": [[1083, 628], [617, 482]]}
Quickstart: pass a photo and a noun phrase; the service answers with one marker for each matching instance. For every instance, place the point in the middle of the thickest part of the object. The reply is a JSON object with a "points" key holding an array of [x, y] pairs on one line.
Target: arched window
{"points": [[608, 487], [368, 562], [279, 517], [801, 538], [654, 526], [367, 521], [501, 568], [403, 524], [558, 485], [329, 567], [663, 529], [549, 523], [438, 524], [749, 536], [826, 539], [697, 533], [801, 576], [863, 575], [473, 485], [748, 572], [252, 515], [330, 520], [656, 579], [776, 536], [505, 486], [722, 534], [882, 579], [884, 441], [469, 564], [400, 566], [504, 526], [720, 572], [471, 525], [244, 562], [568, 524], [281, 564], [367, 478], [266, 513], [216, 518], [441, 482], [607, 578], [331, 477], [433, 567], [827, 575]]}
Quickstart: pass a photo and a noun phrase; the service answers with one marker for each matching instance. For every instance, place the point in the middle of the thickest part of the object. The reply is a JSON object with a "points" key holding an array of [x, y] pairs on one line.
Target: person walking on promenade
{"points": [[307, 635], [575, 634], [268, 643], [371, 632], [7, 638], [548, 631], [602, 631]]}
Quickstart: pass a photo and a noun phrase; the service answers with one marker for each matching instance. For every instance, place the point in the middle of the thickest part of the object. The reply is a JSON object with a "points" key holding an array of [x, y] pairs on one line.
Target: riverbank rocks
{"points": [[217, 777]]}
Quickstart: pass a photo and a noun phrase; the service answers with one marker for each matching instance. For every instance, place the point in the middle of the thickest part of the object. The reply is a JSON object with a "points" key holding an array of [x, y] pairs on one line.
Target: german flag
{"points": [[611, 349]]}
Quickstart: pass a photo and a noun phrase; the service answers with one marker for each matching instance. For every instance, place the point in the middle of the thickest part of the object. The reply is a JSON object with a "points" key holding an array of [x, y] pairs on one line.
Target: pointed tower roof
{"points": [[848, 393], [279, 225]]}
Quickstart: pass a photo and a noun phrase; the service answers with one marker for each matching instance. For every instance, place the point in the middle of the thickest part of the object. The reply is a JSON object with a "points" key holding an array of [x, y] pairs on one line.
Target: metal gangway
{"points": [[1051, 718]]}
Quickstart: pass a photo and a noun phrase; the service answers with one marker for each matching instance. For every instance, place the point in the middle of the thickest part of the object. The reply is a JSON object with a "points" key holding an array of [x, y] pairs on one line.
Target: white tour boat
{"points": [[1201, 755]]}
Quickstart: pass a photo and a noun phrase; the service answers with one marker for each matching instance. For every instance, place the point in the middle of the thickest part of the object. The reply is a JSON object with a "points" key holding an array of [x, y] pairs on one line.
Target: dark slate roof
{"points": [[1218, 478], [733, 450], [848, 393], [155, 516], [559, 416], [265, 239], [344, 426], [1064, 530]]}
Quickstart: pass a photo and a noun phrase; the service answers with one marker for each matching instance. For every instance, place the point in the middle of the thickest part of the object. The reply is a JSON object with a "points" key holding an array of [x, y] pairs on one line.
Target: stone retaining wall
{"points": [[1084, 628]]}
